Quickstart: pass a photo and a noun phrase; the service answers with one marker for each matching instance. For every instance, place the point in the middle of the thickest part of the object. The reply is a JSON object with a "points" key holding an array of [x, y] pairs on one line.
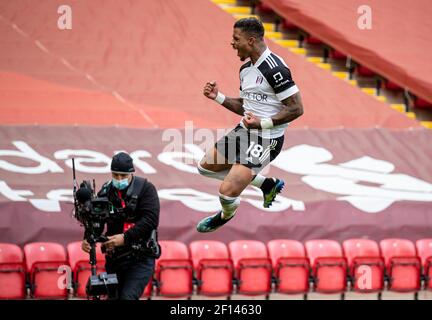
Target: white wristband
{"points": [[220, 98], [266, 123]]}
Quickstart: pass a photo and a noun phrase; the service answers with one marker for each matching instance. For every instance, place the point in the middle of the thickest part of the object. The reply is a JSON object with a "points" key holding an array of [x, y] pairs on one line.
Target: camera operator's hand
{"points": [[85, 246], [114, 241]]}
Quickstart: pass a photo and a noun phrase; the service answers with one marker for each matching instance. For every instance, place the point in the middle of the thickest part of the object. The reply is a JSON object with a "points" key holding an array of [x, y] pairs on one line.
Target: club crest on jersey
{"points": [[259, 80]]}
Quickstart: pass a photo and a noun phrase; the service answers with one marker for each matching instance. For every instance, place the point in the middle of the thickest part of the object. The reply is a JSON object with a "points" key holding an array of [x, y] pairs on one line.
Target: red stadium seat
{"points": [[264, 8], [79, 263], [313, 40], [365, 72], [252, 265], [213, 267], [288, 25], [174, 270], [329, 267], [403, 266], [290, 265], [12, 272], [334, 54], [423, 104], [43, 260], [424, 250], [364, 259], [389, 85]]}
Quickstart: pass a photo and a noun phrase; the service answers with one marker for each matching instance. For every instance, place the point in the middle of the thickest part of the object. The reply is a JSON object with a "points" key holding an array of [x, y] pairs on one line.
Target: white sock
{"points": [[229, 205], [212, 174], [258, 181]]}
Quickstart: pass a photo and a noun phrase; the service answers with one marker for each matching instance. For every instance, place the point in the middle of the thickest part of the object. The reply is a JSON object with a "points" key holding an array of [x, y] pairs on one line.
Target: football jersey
{"points": [[263, 86]]}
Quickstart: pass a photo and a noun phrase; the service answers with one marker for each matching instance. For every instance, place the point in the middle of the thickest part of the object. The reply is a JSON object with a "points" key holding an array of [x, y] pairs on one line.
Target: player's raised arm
{"points": [[211, 91], [293, 109]]}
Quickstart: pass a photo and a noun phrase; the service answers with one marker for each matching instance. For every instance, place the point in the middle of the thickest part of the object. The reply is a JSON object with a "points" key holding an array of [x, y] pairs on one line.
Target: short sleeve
{"points": [[281, 81]]}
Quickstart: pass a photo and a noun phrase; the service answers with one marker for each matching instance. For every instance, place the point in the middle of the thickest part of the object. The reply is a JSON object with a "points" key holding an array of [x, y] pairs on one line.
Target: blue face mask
{"points": [[120, 184]]}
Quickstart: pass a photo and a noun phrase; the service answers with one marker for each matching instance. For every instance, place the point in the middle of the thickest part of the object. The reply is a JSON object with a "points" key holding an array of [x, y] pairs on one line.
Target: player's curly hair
{"points": [[251, 26]]}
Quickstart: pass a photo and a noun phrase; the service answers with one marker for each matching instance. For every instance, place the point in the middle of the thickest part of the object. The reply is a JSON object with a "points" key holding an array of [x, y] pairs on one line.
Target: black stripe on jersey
{"points": [[276, 73], [246, 65]]}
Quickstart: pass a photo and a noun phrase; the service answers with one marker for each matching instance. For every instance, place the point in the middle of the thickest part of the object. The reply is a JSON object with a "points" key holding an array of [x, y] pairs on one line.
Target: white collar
{"points": [[263, 56]]}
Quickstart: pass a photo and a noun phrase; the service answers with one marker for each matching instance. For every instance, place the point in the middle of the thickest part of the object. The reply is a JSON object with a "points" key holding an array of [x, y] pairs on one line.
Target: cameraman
{"points": [[137, 198]]}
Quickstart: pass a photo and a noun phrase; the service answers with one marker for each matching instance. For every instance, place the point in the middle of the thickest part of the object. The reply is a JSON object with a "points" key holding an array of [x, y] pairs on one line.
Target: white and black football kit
{"points": [[263, 86]]}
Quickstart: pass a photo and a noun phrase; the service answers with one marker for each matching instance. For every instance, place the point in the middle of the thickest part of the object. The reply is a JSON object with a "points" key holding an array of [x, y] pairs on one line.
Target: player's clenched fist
{"points": [[211, 90]]}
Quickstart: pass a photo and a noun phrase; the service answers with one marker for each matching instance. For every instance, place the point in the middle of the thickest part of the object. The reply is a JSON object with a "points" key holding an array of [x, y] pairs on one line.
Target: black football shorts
{"points": [[248, 148]]}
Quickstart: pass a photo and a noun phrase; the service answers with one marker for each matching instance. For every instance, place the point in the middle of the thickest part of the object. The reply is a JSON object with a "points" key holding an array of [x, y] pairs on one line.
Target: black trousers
{"points": [[133, 276]]}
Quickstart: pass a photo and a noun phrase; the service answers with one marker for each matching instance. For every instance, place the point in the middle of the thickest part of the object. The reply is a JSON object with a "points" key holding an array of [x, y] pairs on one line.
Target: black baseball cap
{"points": [[122, 163]]}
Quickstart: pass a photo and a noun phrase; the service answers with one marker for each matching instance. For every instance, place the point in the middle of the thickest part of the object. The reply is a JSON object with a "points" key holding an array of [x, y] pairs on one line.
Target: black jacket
{"points": [[145, 217]]}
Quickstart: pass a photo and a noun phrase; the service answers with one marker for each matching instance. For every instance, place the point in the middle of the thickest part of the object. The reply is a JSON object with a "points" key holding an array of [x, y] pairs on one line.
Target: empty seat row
{"points": [[362, 70], [247, 267], [45, 269], [288, 266]]}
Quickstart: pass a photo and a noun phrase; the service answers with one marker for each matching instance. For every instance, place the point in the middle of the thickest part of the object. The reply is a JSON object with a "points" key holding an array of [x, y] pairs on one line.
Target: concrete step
{"points": [[341, 74], [398, 107], [241, 16], [427, 124], [288, 43], [315, 59], [381, 98], [274, 35], [238, 10], [325, 66], [300, 51], [232, 2], [269, 27], [371, 91], [390, 295], [411, 115]]}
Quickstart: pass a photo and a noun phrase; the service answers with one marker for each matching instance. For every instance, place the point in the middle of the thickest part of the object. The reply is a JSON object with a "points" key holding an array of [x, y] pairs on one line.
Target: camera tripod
{"points": [[103, 283]]}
